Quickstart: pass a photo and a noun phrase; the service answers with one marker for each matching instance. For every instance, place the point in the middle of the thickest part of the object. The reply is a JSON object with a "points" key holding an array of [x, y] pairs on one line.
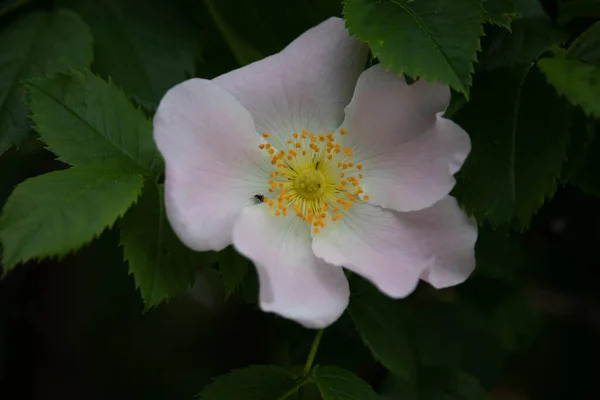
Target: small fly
{"points": [[258, 198]]}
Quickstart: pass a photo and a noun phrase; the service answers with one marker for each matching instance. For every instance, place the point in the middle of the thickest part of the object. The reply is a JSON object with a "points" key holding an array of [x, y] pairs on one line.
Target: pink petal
{"points": [[394, 249], [306, 86], [380, 245], [408, 151], [452, 236], [293, 282], [213, 164]]}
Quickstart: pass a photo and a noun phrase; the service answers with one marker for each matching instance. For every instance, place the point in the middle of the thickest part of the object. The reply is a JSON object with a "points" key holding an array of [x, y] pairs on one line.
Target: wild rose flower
{"points": [[307, 164]]}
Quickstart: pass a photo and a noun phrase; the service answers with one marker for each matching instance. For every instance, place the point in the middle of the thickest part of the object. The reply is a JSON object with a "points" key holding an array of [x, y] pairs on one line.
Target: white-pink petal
{"points": [[213, 164], [293, 282], [378, 244], [305, 86], [408, 151], [452, 236]]}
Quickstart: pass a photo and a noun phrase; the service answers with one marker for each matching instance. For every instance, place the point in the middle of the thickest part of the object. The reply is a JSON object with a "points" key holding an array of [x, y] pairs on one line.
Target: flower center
{"points": [[314, 177], [310, 184]]}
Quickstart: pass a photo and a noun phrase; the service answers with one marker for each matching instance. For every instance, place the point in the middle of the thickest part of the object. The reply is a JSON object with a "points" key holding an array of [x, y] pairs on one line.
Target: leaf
{"points": [[568, 10], [382, 325], [436, 384], [577, 81], [436, 40], [455, 337], [233, 268], [339, 384], [582, 132], [243, 52], [500, 12], [8, 6], [258, 382], [55, 213], [145, 48], [85, 120], [161, 265], [586, 48], [586, 177], [450, 385], [35, 45], [533, 33], [512, 167]]}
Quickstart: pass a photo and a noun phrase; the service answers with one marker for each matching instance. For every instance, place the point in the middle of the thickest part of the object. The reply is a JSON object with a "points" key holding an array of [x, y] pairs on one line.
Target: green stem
{"points": [[313, 352]]}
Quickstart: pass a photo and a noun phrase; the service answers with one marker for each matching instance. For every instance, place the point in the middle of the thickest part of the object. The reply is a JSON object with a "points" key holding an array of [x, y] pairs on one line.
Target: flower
{"points": [[306, 164]]}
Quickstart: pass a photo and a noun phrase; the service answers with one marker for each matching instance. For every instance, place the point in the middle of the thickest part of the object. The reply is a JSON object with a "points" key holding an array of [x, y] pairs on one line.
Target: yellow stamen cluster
{"points": [[314, 177]]}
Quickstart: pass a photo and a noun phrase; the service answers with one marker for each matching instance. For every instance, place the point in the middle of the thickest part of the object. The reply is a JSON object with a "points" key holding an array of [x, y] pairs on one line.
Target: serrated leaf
{"points": [[85, 120], [436, 40], [259, 382], [36, 44], [519, 133], [339, 384], [55, 213], [533, 33], [146, 48], [233, 268], [578, 82], [161, 265], [500, 12], [382, 324], [586, 48], [571, 9]]}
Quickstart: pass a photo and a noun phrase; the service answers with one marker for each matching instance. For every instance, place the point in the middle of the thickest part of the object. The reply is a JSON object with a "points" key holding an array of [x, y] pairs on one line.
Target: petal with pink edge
{"points": [[213, 164], [305, 86], [408, 151], [293, 282], [379, 244]]}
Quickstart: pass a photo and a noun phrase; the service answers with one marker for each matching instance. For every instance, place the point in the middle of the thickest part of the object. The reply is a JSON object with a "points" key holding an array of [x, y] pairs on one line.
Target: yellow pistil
{"points": [[313, 177]]}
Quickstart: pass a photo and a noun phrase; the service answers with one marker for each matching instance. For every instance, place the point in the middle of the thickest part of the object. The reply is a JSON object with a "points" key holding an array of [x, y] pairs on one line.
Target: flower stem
{"points": [[313, 352]]}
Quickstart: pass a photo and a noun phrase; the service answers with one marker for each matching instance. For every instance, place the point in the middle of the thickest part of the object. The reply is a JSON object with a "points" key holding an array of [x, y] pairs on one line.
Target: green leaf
{"points": [[586, 177], [577, 81], [586, 48], [500, 12], [161, 265], [55, 213], [519, 133], [259, 382], [436, 40], [145, 48], [571, 9], [85, 120], [233, 267], [243, 52], [382, 325], [435, 384], [582, 132], [456, 337], [339, 384], [450, 385], [35, 45], [533, 33]]}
